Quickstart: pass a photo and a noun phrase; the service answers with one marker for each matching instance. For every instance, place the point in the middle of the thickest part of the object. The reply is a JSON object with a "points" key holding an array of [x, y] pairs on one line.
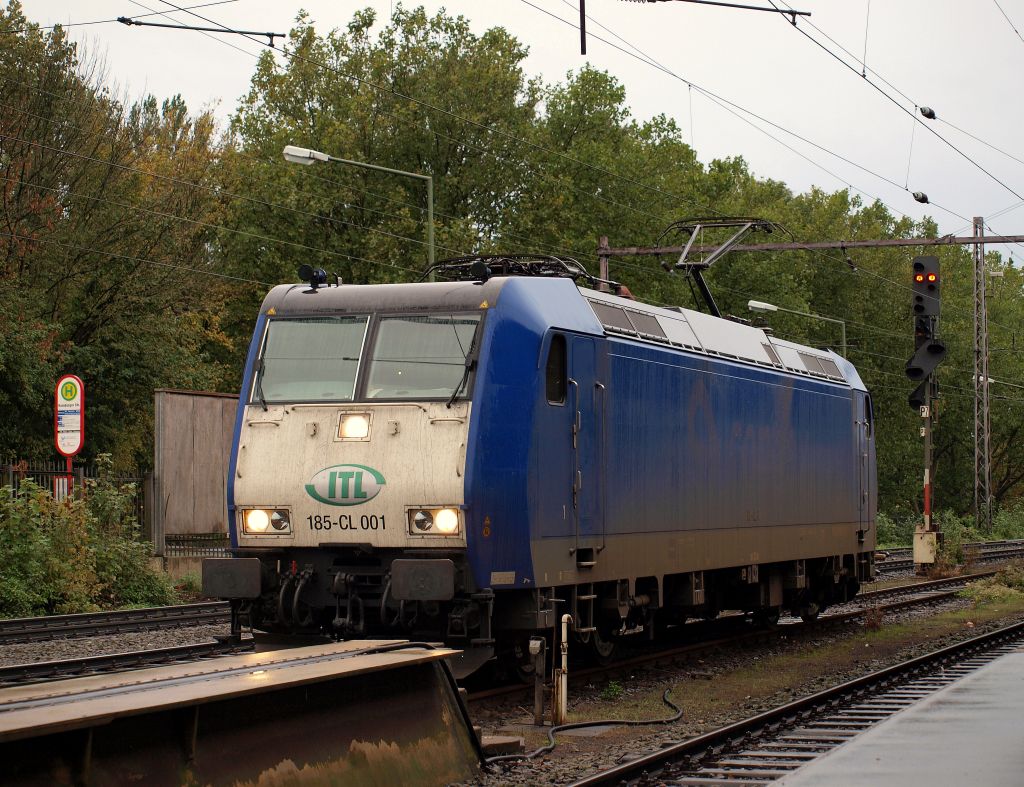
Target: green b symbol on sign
{"points": [[69, 390]]}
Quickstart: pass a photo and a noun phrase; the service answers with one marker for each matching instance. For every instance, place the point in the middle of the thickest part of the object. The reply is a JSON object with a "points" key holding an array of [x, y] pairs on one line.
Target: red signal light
{"points": [[918, 277], [932, 277]]}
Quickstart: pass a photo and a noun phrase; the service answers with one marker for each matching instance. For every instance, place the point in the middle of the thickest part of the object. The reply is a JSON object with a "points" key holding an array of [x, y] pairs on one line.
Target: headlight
{"points": [[433, 521], [447, 521], [273, 522], [354, 426], [422, 521]]}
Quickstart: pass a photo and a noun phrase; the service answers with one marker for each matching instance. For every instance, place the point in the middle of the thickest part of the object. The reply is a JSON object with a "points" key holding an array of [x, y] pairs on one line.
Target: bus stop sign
{"points": [[69, 415]]}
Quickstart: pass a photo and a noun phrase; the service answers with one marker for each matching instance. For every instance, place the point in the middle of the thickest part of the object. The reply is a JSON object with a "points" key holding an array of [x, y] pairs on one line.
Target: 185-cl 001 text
{"points": [[346, 522]]}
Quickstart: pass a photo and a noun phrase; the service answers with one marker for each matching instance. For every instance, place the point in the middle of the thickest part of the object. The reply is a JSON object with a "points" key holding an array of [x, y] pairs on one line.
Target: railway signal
{"points": [[923, 362], [926, 286], [929, 352]]}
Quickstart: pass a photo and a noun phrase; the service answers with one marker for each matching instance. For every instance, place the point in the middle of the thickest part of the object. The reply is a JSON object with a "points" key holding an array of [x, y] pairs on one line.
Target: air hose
{"points": [[576, 725]]}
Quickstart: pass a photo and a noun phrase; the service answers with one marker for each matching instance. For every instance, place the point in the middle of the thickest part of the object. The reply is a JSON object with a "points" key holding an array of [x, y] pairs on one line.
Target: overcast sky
{"points": [[963, 59]]}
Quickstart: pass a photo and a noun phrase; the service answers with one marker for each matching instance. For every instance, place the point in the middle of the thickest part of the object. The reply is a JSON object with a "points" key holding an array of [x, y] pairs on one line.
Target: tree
{"points": [[104, 246]]}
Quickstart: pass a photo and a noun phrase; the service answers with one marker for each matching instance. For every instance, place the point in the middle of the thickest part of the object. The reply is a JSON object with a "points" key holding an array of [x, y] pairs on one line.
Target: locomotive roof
{"points": [[460, 295], [715, 336], [616, 316]]}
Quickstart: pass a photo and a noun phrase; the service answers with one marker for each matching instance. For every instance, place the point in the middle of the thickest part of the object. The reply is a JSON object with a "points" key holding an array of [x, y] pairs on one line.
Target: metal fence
{"points": [[53, 477]]}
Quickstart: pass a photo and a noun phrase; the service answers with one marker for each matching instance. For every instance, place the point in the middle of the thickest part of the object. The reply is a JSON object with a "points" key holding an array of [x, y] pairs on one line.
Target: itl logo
{"points": [[345, 485]]}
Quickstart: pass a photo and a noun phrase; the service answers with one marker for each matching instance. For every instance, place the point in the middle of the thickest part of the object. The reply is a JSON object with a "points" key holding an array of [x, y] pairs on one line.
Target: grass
{"points": [[802, 668]]}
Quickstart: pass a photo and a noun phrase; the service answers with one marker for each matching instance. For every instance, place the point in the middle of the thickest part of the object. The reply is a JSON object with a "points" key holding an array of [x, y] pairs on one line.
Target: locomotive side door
{"points": [[587, 397], [864, 475]]}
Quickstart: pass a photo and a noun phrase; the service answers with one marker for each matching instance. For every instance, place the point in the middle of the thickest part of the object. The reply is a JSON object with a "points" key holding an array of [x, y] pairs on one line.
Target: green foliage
{"points": [[612, 691], [895, 532], [956, 532], [1008, 522], [1006, 586], [189, 587], [94, 183], [101, 224], [74, 555]]}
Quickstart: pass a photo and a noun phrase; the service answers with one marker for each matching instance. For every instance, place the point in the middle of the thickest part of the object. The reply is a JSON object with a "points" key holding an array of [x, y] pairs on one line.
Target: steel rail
{"points": [[736, 733], [89, 623], [20, 674], [771, 634]]}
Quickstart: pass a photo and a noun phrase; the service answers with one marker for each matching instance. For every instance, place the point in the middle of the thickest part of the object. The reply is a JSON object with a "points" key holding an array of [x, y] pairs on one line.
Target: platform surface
{"points": [[969, 733], [78, 702]]}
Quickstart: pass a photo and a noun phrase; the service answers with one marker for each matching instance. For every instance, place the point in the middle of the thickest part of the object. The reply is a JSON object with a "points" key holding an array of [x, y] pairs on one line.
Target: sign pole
{"points": [[69, 421]]}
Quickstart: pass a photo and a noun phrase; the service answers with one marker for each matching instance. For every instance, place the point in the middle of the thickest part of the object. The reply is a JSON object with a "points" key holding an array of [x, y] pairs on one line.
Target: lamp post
{"points": [[297, 155], [761, 306]]}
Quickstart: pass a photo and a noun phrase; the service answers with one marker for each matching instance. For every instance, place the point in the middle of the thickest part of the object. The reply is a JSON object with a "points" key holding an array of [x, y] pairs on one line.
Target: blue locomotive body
{"points": [[592, 455]]}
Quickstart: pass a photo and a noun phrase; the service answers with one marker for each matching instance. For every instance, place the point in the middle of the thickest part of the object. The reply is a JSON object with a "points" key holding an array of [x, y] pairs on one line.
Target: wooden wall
{"points": [[193, 447]]}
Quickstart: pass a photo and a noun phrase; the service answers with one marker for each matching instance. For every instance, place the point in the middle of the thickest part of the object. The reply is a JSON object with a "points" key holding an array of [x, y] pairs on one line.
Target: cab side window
{"points": [[556, 371], [868, 416]]}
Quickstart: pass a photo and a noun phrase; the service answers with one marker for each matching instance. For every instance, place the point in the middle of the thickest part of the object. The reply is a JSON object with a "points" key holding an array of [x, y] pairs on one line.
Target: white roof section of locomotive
{"points": [[715, 336]]}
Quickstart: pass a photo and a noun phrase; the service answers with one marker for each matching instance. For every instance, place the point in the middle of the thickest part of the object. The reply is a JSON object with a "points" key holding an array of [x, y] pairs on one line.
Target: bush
{"points": [[1005, 586], [1008, 523], [894, 533], [75, 555]]}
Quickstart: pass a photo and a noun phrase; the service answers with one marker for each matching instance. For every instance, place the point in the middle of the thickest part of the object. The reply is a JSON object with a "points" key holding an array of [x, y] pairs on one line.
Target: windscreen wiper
{"points": [[259, 384], [470, 364]]}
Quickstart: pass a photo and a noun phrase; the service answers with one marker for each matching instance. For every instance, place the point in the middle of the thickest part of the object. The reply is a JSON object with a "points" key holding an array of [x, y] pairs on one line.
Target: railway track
{"points": [[36, 672], [90, 623], [738, 632], [902, 559], [766, 747]]}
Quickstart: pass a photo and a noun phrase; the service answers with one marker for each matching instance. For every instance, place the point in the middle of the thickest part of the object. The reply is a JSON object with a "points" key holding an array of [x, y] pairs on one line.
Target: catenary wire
{"points": [[384, 90], [452, 114], [903, 109], [131, 258], [447, 112], [34, 28], [458, 252]]}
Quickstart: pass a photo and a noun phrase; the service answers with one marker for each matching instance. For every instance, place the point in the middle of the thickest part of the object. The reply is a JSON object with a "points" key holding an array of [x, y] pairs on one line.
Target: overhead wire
{"points": [[333, 182], [448, 112], [730, 106], [34, 28], [131, 258], [903, 109], [206, 225], [216, 191], [1009, 21], [426, 104], [644, 57], [490, 130]]}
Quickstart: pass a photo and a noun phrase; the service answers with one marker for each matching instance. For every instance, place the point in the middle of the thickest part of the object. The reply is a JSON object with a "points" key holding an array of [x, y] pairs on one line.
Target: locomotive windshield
{"points": [[317, 359], [313, 359], [420, 356]]}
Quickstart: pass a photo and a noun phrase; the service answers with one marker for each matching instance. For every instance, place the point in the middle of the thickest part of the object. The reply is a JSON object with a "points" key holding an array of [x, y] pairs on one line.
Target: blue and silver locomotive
{"points": [[465, 461]]}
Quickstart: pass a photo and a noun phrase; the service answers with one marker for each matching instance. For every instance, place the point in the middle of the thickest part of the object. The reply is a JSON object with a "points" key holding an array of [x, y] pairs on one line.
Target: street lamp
{"points": [[297, 155], [761, 306]]}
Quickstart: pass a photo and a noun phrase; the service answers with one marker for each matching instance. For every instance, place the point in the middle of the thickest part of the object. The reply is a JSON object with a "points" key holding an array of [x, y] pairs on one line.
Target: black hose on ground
{"points": [[552, 731]]}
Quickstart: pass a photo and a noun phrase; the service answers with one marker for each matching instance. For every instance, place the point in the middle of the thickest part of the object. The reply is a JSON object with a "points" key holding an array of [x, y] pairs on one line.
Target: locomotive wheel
{"points": [[602, 647], [520, 662]]}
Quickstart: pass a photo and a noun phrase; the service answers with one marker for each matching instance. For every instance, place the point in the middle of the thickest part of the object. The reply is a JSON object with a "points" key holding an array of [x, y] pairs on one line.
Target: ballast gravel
{"points": [[102, 644], [576, 757]]}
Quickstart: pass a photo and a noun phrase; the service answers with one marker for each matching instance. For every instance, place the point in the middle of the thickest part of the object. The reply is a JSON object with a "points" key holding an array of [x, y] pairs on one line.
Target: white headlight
{"points": [[354, 427], [257, 521], [447, 520]]}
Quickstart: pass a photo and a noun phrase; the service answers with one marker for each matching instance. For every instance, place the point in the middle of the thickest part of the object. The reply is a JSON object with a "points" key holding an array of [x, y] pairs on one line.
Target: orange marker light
{"points": [[932, 277], [919, 277]]}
